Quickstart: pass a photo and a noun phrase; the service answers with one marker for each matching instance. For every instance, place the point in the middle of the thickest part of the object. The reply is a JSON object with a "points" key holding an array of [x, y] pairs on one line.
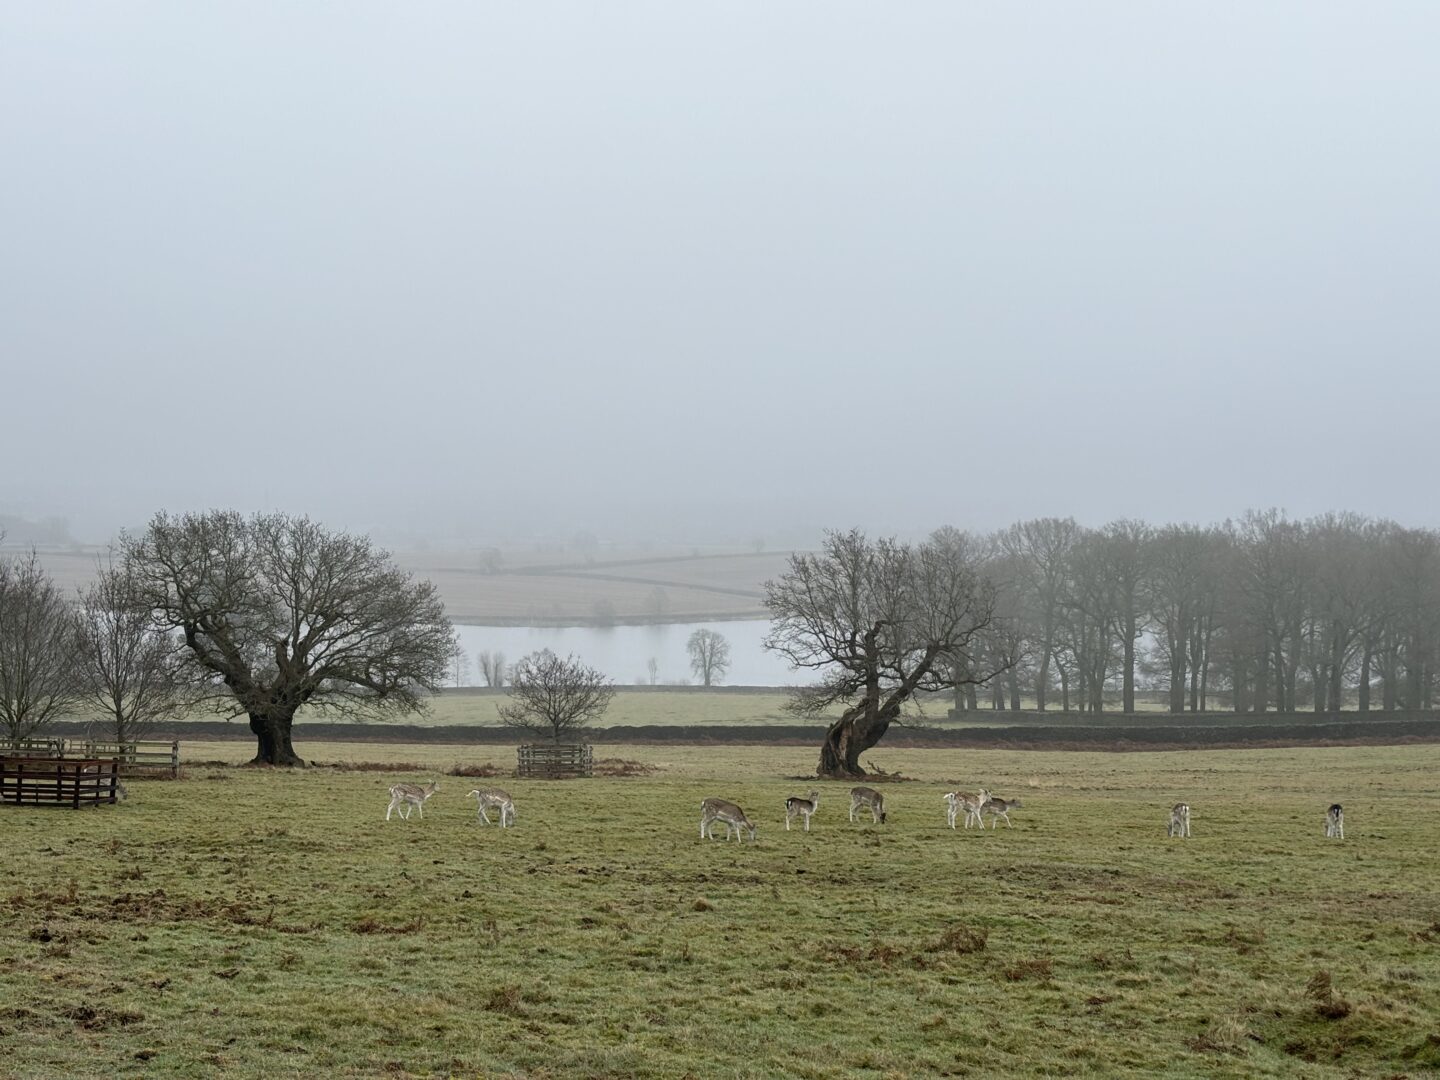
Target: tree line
{"points": [[1254, 614]]}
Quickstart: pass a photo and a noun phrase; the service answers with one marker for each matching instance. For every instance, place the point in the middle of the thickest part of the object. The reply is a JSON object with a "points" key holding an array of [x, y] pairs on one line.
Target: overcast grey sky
{"points": [[697, 270]]}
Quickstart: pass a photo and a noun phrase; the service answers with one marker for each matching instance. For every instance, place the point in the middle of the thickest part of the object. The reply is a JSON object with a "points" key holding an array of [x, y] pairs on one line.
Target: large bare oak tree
{"points": [[880, 621], [277, 613]]}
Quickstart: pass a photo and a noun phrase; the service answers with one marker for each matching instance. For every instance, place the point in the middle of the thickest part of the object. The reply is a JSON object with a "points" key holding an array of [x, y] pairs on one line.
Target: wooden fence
{"points": [[556, 761], [144, 757], [74, 782], [141, 757]]}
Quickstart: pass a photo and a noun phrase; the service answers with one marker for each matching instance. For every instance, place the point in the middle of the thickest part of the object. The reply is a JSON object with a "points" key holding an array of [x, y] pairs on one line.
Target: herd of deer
{"points": [[407, 798]]}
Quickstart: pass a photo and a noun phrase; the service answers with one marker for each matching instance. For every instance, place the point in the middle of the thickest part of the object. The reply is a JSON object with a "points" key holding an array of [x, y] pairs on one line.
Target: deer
{"points": [[728, 814], [494, 799], [998, 808], [410, 796], [971, 804], [802, 808], [1179, 821], [1335, 821], [864, 798]]}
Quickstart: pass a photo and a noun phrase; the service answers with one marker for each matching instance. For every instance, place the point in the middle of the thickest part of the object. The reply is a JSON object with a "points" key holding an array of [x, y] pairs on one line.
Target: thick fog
{"points": [[726, 271]]}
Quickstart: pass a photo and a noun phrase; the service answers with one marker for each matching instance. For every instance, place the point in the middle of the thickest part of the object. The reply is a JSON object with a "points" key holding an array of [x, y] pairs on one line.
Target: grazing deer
{"points": [[864, 798], [729, 815], [971, 804], [998, 808], [411, 797], [803, 808], [1179, 820], [1335, 821], [494, 799]]}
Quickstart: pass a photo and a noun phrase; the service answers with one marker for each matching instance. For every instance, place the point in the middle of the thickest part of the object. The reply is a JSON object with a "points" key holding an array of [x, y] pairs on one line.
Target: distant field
{"points": [[548, 586], [673, 588], [260, 924]]}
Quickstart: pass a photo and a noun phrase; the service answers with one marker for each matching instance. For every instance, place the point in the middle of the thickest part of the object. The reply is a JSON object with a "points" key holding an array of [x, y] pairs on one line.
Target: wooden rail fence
{"points": [[73, 782], [141, 757], [556, 761], [144, 757]]}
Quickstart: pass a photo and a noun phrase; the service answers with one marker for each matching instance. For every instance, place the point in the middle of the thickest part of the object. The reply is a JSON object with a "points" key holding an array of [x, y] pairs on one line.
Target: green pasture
{"points": [[696, 706], [258, 923]]}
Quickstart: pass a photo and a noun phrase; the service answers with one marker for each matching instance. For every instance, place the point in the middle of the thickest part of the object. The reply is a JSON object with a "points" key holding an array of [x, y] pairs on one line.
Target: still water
{"points": [[624, 652]]}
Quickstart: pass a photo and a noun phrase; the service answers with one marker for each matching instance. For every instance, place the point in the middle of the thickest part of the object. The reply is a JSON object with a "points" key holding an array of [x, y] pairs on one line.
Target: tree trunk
{"points": [[859, 729], [1041, 678], [1363, 703], [1239, 686], [1335, 694], [272, 734], [1129, 684], [1178, 668]]}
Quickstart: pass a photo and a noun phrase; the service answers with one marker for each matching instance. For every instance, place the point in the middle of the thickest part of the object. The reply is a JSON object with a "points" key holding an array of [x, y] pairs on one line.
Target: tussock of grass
{"points": [[961, 939], [1038, 968], [614, 766], [370, 766], [481, 771]]}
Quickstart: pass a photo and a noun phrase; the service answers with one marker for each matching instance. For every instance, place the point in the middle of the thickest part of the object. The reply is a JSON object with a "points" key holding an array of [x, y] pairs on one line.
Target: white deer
{"points": [[728, 814], [801, 808], [956, 801], [494, 799], [1335, 821], [411, 797], [998, 808], [864, 798], [1179, 821]]}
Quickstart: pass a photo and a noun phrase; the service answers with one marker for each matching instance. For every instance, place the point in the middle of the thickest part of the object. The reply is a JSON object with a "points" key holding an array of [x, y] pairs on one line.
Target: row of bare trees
{"points": [[94, 654], [1263, 612]]}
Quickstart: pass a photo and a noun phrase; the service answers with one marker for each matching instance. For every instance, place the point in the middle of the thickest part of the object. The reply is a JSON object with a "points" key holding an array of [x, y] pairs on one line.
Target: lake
{"points": [[623, 652]]}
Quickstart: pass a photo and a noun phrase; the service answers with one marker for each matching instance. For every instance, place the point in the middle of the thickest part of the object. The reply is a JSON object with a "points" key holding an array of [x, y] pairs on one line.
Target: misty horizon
{"points": [[677, 275]]}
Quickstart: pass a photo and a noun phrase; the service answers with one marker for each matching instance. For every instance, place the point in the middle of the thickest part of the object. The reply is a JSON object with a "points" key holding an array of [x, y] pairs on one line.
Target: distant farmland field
{"points": [[260, 923], [540, 587]]}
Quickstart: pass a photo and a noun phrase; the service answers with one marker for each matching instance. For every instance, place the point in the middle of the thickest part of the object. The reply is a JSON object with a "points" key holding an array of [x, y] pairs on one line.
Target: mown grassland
{"points": [[252, 923]]}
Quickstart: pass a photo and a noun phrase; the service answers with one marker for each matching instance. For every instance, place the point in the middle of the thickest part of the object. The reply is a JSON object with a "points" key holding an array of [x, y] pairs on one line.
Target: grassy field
{"points": [[252, 923]]}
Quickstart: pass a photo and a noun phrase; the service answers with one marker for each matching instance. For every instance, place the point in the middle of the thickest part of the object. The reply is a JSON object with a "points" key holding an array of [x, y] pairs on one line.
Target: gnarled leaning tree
{"points": [[881, 622], [277, 614]]}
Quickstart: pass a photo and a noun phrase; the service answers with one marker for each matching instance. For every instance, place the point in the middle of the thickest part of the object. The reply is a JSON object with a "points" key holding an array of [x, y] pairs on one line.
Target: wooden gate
{"points": [[145, 757], [556, 761], [74, 782]]}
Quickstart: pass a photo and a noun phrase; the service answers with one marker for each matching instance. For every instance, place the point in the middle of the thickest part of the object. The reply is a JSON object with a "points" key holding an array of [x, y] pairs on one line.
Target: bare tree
{"points": [[132, 673], [652, 668], [552, 697], [459, 665], [881, 622], [38, 649], [709, 655], [1040, 552], [492, 668], [277, 614]]}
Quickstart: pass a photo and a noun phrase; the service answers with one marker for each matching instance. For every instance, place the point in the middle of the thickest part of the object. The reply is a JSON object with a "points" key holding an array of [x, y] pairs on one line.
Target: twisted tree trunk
{"points": [[860, 727], [272, 735]]}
